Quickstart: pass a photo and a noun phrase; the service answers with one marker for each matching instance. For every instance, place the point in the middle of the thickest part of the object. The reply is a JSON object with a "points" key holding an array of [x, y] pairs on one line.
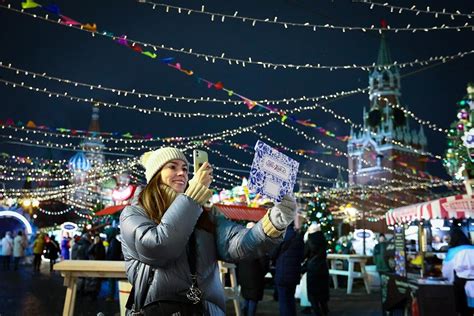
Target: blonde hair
{"points": [[153, 199]]}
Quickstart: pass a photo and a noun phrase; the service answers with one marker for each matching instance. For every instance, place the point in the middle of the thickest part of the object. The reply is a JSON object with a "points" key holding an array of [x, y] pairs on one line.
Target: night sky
{"points": [[431, 92]]}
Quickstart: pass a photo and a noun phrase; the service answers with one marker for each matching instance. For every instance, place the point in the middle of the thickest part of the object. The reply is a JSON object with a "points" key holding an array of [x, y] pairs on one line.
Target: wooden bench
{"points": [[350, 273], [73, 269]]}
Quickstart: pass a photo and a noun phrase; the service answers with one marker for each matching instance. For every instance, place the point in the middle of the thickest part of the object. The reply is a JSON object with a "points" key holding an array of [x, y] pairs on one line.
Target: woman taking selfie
{"points": [[171, 245]]}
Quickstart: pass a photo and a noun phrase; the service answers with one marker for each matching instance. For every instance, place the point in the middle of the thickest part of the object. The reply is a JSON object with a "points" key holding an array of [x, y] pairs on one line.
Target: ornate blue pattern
{"points": [[270, 168]]}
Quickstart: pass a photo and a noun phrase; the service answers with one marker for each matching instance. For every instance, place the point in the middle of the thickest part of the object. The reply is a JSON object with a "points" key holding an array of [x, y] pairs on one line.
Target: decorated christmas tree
{"points": [[317, 211], [459, 159]]}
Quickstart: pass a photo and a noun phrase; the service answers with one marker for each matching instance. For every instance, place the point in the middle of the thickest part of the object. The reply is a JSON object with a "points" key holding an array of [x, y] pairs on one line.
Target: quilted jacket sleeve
{"points": [[159, 244], [235, 242]]}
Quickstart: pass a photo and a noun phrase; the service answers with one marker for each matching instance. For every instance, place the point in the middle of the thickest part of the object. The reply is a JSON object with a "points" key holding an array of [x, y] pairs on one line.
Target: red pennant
{"points": [[219, 85]]}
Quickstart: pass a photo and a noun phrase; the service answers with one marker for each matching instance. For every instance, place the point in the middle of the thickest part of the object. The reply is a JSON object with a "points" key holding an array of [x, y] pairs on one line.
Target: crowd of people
{"points": [[18, 251], [171, 244]]}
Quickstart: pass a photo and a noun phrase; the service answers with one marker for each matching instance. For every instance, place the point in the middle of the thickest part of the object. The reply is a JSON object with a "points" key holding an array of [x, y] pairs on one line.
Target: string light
{"points": [[66, 210], [306, 25], [125, 93], [427, 123], [135, 107], [413, 8], [269, 65]]}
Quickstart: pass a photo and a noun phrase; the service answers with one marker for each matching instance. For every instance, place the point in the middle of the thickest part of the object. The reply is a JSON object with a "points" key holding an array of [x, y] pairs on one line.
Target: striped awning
{"points": [[240, 212], [456, 206]]}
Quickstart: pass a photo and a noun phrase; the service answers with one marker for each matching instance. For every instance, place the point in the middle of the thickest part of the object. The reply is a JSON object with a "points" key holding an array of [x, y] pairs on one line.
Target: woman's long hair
{"points": [[155, 202]]}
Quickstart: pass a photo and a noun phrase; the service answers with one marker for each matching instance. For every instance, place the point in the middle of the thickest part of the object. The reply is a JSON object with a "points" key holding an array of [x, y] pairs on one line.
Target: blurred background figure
{"points": [[288, 256], [380, 255], [114, 253], [318, 272], [251, 278], [65, 246], [7, 250], [96, 252], [52, 252], [38, 248], [19, 245], [458, 268]]}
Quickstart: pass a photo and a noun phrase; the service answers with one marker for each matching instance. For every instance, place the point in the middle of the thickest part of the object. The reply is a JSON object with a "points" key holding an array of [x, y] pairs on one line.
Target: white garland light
{"points": [[135, 107], [270, 65], [125, 93], [399, 9], [306, 25]]}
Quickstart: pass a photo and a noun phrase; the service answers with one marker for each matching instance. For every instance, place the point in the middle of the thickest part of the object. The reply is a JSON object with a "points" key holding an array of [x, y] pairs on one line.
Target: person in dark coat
{"points": [[251, 278], [96, 252], [289, 256], [318, 272], [114, 253], [52, 252]]}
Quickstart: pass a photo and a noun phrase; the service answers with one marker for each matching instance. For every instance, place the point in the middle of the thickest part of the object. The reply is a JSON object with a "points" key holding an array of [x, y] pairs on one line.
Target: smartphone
{"points": [[199, 158]]}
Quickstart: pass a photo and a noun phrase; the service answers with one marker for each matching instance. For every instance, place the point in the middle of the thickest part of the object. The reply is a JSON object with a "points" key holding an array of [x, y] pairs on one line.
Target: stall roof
{"points": [[110, 210], [456, 206], [241, 212]]}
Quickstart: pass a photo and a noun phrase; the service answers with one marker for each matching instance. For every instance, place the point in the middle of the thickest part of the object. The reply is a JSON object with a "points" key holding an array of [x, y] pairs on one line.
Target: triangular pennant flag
{"points": [[122, 40], [219, 85], [188, 72], [52, 8], [137, 48], [167, 60], [9, 122], [150, 54], [19, 123], [250, 104], [31, 124], [68, 21], [90, 27], [29, 4], [108, 33], [230, 92], [127, 135]]}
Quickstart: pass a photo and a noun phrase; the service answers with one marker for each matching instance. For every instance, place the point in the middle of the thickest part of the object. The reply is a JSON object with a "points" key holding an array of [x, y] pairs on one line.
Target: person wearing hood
{"points": [[171, 245]]}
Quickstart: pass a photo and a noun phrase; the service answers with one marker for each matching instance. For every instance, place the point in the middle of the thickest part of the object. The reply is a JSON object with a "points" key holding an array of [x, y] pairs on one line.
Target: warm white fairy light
{"points": [[125, 93], [135, 108], [269, 65], [428, 10], [306, 25], [427, 123], [56, 213]]}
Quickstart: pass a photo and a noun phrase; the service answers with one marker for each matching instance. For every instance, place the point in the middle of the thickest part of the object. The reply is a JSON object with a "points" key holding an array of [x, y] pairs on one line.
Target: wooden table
{"points": [[73, 269], [350, 272]]}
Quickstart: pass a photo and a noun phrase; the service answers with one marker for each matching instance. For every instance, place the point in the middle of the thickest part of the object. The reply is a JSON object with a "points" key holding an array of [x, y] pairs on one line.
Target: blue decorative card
{"points": [[273, 174]]}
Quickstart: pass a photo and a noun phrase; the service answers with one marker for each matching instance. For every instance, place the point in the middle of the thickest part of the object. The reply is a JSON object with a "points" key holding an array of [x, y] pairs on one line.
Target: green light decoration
{"points": [[317, 211], [459, 159]]}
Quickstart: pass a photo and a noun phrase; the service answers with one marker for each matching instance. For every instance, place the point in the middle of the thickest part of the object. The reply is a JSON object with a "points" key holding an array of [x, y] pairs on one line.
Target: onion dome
{"points": [[79, 162]]}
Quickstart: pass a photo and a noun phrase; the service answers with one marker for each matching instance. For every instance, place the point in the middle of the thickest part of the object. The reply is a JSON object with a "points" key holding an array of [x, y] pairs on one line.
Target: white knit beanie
{"points": [[153, 161]]}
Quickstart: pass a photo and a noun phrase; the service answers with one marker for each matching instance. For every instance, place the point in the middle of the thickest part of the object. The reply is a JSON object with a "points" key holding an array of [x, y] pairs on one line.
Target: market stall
{"points": [[421, 238]]}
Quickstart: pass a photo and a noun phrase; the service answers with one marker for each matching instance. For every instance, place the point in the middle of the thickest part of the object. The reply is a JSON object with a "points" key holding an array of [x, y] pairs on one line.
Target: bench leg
{"points": [[350, 277], [334, 277], [235, 288], [70, 300], [364, 275]]}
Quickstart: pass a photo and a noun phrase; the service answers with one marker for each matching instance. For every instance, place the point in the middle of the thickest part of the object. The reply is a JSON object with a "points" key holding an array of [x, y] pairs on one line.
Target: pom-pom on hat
{"points": [[153, 161]]}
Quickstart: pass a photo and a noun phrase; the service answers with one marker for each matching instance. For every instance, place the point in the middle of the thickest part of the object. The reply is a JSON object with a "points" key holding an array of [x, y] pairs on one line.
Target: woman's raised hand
{"points": [[203, 175]]}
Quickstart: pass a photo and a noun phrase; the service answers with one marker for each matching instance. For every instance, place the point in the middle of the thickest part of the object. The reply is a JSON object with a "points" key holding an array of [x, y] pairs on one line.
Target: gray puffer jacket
{"points": [[156, 253]]}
